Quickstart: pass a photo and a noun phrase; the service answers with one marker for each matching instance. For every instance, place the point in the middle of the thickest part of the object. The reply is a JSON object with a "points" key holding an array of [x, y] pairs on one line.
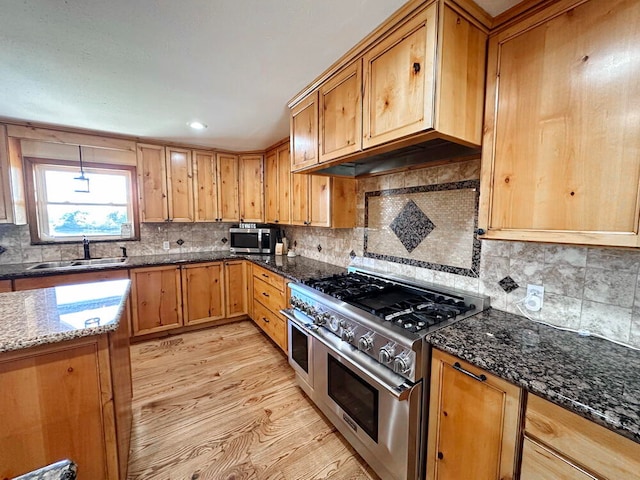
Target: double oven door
{"points": [[376, 410]]}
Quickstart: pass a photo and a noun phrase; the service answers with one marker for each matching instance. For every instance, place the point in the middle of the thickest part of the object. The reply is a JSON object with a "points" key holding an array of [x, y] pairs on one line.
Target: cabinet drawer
{"points": [[539, 462], [271, 278], [587, 444], [272, 324], [268, 295]]}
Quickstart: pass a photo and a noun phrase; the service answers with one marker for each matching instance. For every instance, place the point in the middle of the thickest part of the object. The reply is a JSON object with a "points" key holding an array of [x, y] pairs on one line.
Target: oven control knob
{"points": [[343, 323], [365, 343], [402, 364], [334, 324], [321, 319], [347, 335], [386, 354]]}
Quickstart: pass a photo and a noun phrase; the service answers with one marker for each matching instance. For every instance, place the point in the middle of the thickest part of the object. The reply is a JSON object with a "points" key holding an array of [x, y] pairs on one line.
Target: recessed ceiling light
{"points": [[197, 125]]}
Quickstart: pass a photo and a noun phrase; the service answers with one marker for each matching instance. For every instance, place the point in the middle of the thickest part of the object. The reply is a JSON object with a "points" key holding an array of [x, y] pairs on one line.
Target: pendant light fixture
{"points": [[82, 182]]}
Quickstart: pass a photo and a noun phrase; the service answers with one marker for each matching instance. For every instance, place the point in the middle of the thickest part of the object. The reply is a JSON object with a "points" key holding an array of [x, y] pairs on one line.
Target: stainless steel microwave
{"points": [[253, 240]]}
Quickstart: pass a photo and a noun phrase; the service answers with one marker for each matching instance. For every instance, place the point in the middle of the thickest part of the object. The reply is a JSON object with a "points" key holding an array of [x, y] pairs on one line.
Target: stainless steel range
{"points": [[355, 342]]}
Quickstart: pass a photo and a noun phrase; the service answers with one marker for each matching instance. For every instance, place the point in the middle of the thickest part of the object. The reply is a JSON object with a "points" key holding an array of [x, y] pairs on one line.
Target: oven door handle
{"points": [[400, 392]]}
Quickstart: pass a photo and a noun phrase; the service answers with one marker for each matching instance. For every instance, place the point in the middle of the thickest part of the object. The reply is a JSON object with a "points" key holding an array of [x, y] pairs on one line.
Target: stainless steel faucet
{"points": [[85, 246]]}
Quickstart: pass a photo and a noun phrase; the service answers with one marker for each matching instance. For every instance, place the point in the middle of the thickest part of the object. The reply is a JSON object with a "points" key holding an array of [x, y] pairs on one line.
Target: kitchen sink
{"points": [[79, 263], [99, 261]]}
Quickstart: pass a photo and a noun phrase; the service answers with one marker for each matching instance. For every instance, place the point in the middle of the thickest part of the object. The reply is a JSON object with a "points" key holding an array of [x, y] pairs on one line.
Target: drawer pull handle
{"points": [[480, 378], [265, 319], [265, 294], [265, 275]]}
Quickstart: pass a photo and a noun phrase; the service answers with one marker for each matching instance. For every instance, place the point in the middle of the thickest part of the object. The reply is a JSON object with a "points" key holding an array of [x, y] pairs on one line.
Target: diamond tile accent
{"points": [[508, 284], [411, 226]]}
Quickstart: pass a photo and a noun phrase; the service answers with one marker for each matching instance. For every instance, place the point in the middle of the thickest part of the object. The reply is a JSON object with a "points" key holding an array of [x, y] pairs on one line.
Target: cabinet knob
{"points": [[440, 456], [481, 231], [416, 67]]}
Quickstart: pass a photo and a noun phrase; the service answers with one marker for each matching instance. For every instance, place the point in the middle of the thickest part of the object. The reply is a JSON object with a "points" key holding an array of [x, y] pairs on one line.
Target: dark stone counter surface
{"points": [[63, 470], [48, 315], [592, 377], [294, 268]]}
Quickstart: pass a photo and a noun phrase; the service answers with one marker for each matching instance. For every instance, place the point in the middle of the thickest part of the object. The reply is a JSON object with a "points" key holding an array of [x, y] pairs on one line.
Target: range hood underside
{"points": [[431, 152]]}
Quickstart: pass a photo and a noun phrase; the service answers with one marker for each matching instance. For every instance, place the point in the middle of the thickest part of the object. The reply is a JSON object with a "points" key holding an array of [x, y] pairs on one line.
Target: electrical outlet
{"points": [[165, 245], [535, 298]]}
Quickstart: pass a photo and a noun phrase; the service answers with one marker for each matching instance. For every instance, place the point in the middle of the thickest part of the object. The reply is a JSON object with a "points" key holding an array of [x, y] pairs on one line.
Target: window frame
{"points": [[33, 218]]}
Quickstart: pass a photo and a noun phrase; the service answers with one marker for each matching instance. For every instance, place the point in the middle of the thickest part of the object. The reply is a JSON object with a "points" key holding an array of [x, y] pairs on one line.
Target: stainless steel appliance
{"points": [[355, 343], [251, 238]]}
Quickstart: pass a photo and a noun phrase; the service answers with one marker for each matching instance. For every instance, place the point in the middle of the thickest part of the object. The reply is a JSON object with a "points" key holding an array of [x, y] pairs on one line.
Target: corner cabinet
{"points": [[419, 77], [474, 422], [251, 188], [205, 187], [561, 153], [165, 184]]}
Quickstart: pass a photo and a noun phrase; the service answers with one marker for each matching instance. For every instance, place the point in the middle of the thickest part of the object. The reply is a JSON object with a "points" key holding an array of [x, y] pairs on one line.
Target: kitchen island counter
{"points": [[592, 377]]}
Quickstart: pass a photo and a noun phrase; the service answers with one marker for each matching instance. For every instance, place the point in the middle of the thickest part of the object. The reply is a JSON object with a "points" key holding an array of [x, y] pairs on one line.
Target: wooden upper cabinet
{"points": [[304, 132], [561, 155], [228, 178], [251, 188], [277, 185], [152, 183], [340, 110], [12, 192], [180, 185], [5, 198], [399, 83], [205, 186], [474, 422], [203, 292], [321, 201]]}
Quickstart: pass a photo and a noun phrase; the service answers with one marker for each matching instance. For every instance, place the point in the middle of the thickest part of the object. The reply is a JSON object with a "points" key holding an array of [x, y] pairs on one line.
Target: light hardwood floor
{"points": [[222, 404]]}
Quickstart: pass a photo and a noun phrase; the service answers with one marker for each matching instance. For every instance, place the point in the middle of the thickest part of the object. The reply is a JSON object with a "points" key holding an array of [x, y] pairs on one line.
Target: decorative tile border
{"points": [[414, 227]]}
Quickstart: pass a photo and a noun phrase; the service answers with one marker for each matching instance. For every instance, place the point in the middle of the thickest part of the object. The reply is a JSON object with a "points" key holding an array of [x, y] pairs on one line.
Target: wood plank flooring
{"points": [[222, 404]]}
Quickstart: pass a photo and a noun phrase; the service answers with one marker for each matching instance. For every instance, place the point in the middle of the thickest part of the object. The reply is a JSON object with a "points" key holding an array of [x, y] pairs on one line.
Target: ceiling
{"points": [[147, 67]]}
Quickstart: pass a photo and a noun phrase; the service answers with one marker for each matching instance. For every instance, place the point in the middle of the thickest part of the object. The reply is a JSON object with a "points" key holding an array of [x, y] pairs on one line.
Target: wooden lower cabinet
{"points": [[270, 295], [561, 445], [68, 400], [474, 422], [202, 293], [5, 286], [68, 279], [156, 299], [235, 279], [171, 297]]}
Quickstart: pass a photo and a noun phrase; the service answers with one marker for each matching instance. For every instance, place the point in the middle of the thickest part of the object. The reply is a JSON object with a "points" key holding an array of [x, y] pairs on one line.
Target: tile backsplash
{"points": [[586, 288]]}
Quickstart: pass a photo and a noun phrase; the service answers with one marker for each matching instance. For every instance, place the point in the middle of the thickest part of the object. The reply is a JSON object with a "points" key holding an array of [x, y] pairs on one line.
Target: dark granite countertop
{"points": [[295, 268], [592, 377], [49, 315]]}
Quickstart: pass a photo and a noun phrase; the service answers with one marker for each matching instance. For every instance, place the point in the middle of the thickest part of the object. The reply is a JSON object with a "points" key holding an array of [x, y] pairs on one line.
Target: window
{"points": [[60, 212]]}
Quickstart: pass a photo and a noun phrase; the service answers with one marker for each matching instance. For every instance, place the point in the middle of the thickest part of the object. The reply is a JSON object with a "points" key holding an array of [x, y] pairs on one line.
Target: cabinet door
{"points": [[205, 187], [562, 140], [320, 201], [271, 196], [202, 293], [5, 197], [299, 199], [180, 185], [5, 286], [539, 462], [399, 82], [473, 422], [235, 274], [156, 299], [284, 184], [152, 183], [54, 411], [228, 201], [304, 133], [251, 188], [340, 111]]}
